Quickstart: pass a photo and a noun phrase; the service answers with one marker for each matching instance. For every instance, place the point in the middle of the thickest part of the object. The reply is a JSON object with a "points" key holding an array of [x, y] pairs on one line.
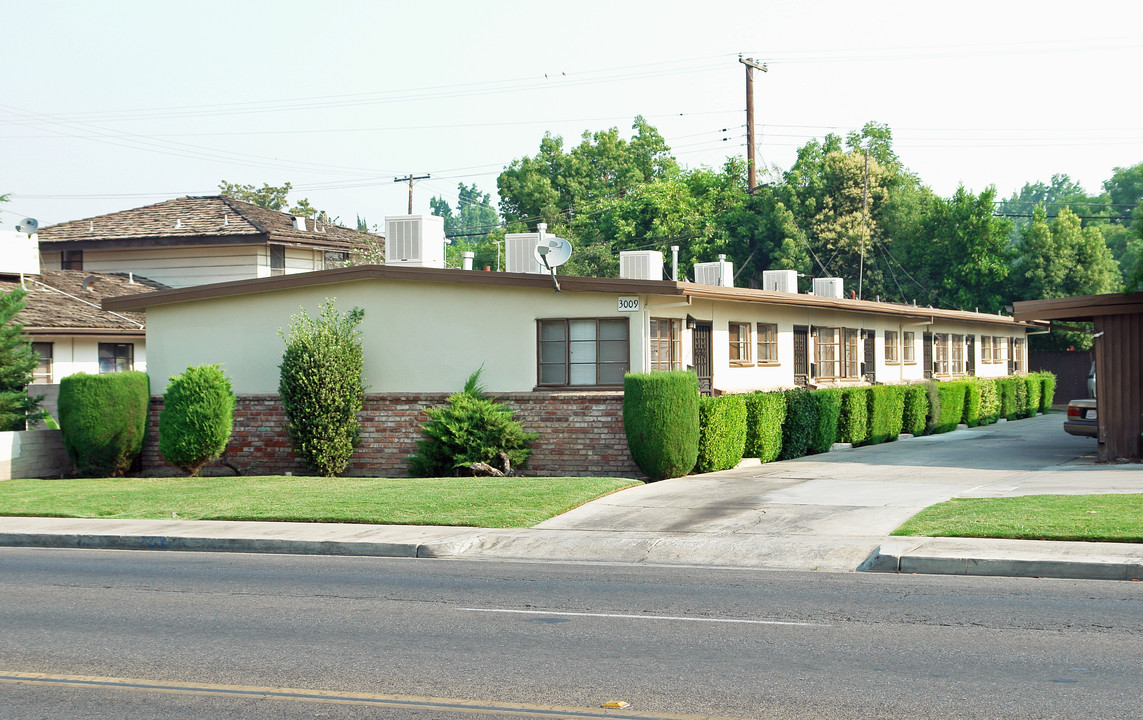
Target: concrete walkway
{"points": [[830, 512]]}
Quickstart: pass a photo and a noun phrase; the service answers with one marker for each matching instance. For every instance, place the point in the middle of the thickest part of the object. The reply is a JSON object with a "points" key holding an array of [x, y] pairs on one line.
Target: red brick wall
{"points": [[580, 434]]}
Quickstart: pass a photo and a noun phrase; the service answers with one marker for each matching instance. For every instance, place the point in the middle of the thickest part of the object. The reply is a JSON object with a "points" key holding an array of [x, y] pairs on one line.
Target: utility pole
{"points": [[751, 66], [410, 178], [864, 210]]}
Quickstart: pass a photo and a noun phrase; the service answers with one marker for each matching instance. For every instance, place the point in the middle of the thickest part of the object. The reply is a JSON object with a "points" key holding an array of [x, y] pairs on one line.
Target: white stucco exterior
{"points": [[75, 354]]}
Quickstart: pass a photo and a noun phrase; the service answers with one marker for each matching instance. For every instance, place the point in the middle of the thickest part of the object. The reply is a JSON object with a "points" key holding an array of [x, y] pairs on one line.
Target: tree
{"points": [[197, 417], [268, 196], [321, 386], [474, 228], [17, 362]]}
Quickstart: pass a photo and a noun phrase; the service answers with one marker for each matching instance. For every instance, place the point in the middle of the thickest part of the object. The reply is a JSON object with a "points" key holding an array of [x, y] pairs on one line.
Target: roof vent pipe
{"points": [[466, 260], [675, 263]]}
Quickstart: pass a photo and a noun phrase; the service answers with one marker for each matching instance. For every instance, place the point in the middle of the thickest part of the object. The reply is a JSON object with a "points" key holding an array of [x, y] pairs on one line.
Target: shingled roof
{"points": [[195, 220], [65, 302]]}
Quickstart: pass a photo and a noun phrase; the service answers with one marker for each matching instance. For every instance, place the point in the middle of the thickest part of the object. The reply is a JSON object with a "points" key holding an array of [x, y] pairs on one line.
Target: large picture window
{"points": [[739, 343], [767, 343], [116, 357], [666, 344], [579, 352]]}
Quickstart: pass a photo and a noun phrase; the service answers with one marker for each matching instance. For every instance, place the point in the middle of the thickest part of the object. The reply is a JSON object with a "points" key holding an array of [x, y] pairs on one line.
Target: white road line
{"points": [[645, 617]]}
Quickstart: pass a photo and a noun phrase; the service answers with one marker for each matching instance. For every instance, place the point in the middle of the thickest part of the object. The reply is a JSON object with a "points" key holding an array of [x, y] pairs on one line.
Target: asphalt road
{"points": [[101, 634]]}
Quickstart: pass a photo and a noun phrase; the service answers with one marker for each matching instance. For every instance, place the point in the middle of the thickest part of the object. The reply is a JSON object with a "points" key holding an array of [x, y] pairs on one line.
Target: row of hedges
{"points": [[667, 424]]}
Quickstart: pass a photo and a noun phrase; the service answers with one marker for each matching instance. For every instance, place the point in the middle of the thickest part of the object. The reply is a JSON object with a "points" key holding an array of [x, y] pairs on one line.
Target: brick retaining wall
{"points": [[580, 434]]}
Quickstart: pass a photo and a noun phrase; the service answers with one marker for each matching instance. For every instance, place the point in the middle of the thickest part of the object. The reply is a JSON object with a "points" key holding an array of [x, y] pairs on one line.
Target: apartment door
{"points": [[701, 337]]}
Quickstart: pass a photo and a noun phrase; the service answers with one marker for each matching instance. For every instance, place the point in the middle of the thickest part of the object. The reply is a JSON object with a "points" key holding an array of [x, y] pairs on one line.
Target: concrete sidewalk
{"points": [[830, 512]]}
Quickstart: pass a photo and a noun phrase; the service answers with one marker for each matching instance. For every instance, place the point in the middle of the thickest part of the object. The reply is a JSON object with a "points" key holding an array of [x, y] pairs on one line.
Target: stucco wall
{"points": [[33, 454]]}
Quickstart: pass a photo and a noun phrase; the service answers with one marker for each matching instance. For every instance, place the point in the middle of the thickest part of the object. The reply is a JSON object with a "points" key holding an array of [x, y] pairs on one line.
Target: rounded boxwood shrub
{"points": [[765, 412], [661, 421], [916, 409], [827, 415], [722, 432], [103, 419], [197, 417], [800, 425]]}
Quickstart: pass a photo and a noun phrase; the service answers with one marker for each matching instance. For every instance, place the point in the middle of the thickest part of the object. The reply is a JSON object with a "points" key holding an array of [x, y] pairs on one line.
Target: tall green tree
{"points": [[268, 196], [17, 362], [474, 227]]}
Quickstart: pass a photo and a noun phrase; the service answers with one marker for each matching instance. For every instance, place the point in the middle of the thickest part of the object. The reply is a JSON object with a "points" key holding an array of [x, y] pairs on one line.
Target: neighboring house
{"points": [[199, 240], [72, 333], [558, 357]]}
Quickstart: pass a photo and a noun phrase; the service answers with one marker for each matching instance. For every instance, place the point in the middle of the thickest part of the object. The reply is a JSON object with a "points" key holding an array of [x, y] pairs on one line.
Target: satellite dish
{"points": [[27, 226], [552, 251]]}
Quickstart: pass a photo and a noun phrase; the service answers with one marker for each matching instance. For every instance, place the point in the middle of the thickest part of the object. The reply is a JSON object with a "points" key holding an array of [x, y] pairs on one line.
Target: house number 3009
{"points": [[628, 304]]}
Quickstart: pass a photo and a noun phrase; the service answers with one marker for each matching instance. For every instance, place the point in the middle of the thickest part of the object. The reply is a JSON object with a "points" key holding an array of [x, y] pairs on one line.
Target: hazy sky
{"points": [[111, 105]]}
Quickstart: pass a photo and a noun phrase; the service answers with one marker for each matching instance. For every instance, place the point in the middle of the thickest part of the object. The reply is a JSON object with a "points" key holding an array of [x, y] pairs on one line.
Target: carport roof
{"points": [[1083, 307]]}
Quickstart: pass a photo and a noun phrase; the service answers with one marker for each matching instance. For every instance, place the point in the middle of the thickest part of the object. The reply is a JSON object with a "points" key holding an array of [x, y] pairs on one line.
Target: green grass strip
{"points": [[1089, 518], [511, 502]]}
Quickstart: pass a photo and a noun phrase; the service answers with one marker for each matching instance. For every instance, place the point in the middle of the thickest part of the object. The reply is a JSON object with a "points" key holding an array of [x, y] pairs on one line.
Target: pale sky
{"points": [[107, 106]]}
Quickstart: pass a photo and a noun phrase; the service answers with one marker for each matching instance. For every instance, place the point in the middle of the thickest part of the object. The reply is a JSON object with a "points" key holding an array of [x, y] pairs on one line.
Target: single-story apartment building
{"points": [[557, 357]]}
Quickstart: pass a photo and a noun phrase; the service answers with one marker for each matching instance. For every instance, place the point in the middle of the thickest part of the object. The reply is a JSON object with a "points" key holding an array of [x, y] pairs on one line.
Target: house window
{"points": [[836, 351], [849, 353], [908, 347], [277, 260], [891, 354], [71, 260], [767, 343], [583, 352], [958, 354], [43, 371], [999, 350], [739, 343], [985, 349], [666, 344], [941, 354], [331, 259], [116, 357], [1018, 355]]}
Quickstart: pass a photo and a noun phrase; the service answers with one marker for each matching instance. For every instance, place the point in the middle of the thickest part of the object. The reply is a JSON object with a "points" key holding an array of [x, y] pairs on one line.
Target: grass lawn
{"points": [[474, 502], [1092, 518]]}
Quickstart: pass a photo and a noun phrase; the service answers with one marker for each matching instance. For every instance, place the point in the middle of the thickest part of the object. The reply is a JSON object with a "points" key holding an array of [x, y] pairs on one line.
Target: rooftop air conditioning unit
{"points": [[719, 273], [520, 253], [780, 280], [641, 265], [414, 241], [829, 287]]}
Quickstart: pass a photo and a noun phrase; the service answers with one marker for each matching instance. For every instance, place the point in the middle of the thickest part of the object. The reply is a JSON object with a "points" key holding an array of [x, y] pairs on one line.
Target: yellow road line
{"points": [[332, 697]]}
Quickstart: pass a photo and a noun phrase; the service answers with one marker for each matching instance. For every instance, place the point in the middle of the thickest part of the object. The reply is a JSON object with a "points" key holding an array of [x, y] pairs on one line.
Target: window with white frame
{"points": [[941, 353], [767, 343], [908, 347], [892, 356], [666, 344], [836, 353], [739, 343], [43, 371], [957, 348]]}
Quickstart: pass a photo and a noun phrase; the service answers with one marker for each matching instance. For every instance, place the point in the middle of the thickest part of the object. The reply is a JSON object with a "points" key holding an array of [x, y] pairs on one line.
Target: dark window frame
{"points": [[71, 260], [43, 372], [565, 361], [121, 356], [277, 260]]}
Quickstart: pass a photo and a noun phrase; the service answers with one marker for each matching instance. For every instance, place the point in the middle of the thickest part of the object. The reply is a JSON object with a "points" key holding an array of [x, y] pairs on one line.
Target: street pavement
{"points": [[831, 512]]}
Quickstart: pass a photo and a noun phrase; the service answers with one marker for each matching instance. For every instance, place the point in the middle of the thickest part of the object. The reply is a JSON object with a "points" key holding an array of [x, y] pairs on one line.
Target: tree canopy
{"points": [[268, 196]]}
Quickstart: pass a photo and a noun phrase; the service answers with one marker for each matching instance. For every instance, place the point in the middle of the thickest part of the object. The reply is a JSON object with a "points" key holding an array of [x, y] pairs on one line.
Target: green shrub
{"points": [[886, 412], [661, 420], [827, 411], [1048, 390], [473, 428], [933, 414], [722, 432], [197, 417], [989, 401], [17, 362], [1033, 386], [104, 420], [321, 387], [1020, 398], [971, 402], [952, 405], [853, 426], [916, 409], [801, 423], [765, 413]]}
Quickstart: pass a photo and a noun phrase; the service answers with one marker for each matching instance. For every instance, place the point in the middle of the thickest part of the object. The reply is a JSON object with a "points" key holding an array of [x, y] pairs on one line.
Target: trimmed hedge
{"points": [[1033, 386], [1021, 394], [827, 409], [989, 401], [972, 398], [916, 409], [886, 412], [104, 420], [853, 427], [933, 416], [722, 432], [1006, 390], [1048, 391], [765, 413], [197, 417], [801, 423], [661, 420], [952, 405]]}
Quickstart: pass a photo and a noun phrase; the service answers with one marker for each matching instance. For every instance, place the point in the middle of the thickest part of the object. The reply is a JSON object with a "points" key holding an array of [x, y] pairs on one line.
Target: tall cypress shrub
{"points": [[661, 420], [197, 417], [765, 413], [989, 400], [800, 425], [952, 405], [722, 432], [886, 411], [103, 419], [933, 415], [827, 415], [972, 399], [17, 362], [854, 423], [916, 409], [1048, 391], [1033, 386]]}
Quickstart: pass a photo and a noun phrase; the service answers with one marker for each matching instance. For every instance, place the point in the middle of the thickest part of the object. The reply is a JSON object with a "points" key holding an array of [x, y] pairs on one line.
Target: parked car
{"points": [[1091, 381], [1081, 418]]}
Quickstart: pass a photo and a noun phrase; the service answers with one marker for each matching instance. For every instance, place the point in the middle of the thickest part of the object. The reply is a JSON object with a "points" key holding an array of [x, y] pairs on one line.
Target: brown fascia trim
{"points": [[150, 242], [1083, 307], [66, 331]]}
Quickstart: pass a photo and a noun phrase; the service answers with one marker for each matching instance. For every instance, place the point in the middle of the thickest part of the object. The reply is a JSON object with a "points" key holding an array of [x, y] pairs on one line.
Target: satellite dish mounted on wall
{"points": [[27, 226], [551, 252]]}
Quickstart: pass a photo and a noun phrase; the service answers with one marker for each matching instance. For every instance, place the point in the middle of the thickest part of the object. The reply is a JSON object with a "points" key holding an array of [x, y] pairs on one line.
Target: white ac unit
{"points": [[641, 265], [720, 272], [414, 241], [520, 253], [780, 280], [19, 253], [829, 287]]}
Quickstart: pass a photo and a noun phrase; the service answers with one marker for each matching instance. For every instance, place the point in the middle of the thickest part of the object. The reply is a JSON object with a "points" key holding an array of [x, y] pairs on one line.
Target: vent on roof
{"points": [[641, 265], [414, 240], [829, 287], [719, 273], [780, 280], [520, 253], [299, 223]]}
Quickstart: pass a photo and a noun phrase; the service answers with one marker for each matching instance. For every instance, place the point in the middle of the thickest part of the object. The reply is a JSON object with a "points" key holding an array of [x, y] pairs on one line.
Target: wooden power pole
{"points": [[410, 178], [751, 66]]}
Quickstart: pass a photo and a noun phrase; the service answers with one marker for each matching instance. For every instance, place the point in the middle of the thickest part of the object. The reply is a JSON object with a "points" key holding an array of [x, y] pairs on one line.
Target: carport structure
{"points": [[1118, 320]]}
